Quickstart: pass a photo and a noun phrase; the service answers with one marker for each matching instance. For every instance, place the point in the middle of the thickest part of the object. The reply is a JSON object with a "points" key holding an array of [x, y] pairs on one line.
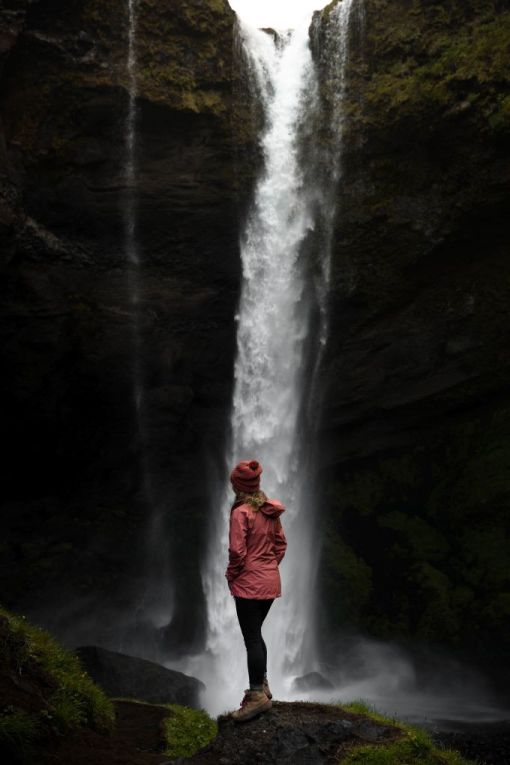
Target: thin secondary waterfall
{"points": [[154, 606], [279, 342], [130, 212], [333, 56]]}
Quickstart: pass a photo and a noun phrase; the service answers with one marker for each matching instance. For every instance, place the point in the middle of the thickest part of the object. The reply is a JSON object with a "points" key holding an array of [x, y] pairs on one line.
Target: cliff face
{"points": [[74, 475], [416, 424], [416, 421]]}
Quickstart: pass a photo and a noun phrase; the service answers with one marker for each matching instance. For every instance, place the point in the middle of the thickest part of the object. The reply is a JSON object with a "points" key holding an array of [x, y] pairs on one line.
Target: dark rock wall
{"points": [[416, 421], [416, 424], [76, 463]]}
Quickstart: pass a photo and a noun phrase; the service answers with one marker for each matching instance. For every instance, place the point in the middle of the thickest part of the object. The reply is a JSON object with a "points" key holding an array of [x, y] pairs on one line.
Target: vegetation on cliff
{"points": [[47, 699], [438, 60], [45, 690], [415, 746], [417, 410]]}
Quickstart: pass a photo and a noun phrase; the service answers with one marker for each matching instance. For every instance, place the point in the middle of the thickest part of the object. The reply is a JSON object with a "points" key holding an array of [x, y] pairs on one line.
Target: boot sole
{"points": [[254, 712]]}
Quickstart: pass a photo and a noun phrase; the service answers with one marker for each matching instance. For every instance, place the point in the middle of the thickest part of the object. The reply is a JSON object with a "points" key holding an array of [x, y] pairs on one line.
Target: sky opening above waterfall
{"points": [[280, 14]]}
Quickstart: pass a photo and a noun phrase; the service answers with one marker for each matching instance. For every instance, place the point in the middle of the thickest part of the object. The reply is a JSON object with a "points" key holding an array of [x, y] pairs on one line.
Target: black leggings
{"points": [[251, 613]]}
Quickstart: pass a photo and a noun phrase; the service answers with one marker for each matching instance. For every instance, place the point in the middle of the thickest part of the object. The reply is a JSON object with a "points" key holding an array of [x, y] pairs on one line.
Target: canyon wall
{"points": [[415, 424], [73, 483]]}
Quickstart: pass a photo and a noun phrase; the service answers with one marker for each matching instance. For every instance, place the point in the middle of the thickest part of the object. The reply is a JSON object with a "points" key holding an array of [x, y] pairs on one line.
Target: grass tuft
{"points": [[414, 748], [187, 730], [18, 729], [74, 699]]}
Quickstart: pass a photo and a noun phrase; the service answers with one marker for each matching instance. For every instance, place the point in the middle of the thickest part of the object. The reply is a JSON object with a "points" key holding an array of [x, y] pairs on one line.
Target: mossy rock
{"points": [[415, 746], [52, 694]]}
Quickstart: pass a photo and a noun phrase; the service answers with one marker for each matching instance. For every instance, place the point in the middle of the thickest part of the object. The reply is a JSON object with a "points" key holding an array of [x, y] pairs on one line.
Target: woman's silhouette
{"points": [[257, 544]]}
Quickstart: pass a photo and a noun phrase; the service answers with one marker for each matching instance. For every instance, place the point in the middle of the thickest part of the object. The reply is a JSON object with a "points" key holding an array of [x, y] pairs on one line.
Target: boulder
{"points": [[131, 677], [311, 681]]}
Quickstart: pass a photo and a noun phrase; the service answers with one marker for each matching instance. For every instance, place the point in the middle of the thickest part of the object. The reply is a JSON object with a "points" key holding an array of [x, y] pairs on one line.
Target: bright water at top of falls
{"points": [[276, 351], [273, 328], [279, 341]]}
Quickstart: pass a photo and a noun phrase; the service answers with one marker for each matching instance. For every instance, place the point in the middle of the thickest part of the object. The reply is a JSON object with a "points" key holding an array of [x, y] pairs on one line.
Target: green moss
{"points": [[415, 746], [18, 730], [348, 579], [187, 730], [432, 520], [428, 60], [326, 12], [415, 537], [75, 699]]}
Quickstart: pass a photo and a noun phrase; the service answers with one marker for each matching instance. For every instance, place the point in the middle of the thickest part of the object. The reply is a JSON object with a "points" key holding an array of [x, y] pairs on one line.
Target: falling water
{"points": [[273, 327], [282, 330], [130, 197], [153, 608], [130, 213], [333, 54], [276, 356]]}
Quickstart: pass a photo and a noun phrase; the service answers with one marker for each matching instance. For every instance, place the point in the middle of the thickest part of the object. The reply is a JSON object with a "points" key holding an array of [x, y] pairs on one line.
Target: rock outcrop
{"points": [[416, 421], [130, 677], [79, 463], [300, 732]]}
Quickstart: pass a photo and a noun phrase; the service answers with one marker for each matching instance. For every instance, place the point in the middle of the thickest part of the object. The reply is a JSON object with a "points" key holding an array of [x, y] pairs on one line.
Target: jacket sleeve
{"points": [[280, 542], [236, 543]]}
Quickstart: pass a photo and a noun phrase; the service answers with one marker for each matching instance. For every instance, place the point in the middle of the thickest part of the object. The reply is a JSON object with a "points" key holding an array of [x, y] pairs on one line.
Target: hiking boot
{"points": [[254, 703], [266, 689]]}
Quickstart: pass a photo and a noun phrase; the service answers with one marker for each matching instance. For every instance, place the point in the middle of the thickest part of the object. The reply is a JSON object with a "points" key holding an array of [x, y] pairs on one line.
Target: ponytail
{"points": [[256, 499]]}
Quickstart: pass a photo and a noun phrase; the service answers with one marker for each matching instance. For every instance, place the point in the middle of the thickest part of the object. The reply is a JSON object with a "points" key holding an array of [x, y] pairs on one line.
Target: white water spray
{"points": [[272, 371], [273, 327], [129, 210], [154, 606], [294, 195], [130, 172]]}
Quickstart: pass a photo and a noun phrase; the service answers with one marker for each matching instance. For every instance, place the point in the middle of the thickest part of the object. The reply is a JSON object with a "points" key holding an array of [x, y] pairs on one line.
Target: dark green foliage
{"points": [[63, 695], [187, 730], [415, 747], [417, 493], [418, 58], [410, 550]]}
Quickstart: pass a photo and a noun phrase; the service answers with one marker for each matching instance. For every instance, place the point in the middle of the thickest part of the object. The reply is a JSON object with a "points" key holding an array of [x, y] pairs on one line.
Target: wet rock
{"points": [[68, 316], [311, 681], [416, 382], [131, 677], [298, 732]]}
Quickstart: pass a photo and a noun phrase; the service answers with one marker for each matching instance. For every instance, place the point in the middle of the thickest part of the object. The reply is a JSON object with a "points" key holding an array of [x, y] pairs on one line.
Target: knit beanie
{"points": [[246, 476]]}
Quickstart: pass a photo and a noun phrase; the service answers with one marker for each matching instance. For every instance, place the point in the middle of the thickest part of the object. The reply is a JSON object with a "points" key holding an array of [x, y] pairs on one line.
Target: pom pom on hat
{"points": [[246, 476]]}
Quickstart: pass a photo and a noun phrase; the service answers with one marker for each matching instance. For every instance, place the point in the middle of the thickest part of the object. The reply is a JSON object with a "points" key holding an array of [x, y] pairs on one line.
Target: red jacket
{"points": [[257, 544]]}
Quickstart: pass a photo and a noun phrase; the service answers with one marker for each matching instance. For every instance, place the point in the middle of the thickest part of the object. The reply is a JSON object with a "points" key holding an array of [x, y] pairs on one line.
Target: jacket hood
{"points": [[272, 508]]}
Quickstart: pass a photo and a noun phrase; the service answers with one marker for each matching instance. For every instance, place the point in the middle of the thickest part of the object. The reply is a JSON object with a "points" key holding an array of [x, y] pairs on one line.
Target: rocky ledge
{"points": [[295, 733]]}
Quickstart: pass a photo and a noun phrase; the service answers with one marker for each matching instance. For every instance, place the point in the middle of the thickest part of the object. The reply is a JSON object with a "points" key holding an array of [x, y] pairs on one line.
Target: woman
{"points": [[257, 545]]}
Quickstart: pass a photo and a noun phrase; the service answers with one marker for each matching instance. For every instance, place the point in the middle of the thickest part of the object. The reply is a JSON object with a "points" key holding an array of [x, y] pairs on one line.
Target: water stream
{"points": [[282, 329], [279, 342], [153, 607]]}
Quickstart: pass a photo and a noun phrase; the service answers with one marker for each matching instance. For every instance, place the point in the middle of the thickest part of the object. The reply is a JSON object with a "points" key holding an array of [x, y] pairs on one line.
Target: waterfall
{"points": [[281, 330], [129, 210], [273, 328], [130, 141], [333, 54], [153, 608]]}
